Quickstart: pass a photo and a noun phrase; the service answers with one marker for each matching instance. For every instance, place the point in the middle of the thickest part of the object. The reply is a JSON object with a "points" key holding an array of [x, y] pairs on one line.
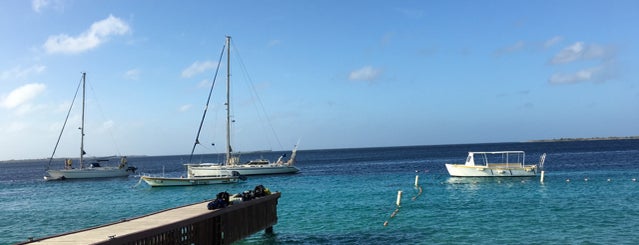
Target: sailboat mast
{"points": [[84, 74], [228, 100]]}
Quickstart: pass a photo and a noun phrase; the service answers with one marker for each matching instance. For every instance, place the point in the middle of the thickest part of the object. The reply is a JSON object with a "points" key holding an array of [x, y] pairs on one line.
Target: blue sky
{"points": [[333, 74]]}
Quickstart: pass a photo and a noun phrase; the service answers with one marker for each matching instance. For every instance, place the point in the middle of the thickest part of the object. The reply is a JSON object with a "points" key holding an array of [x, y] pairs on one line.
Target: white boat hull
{"points": [[87, 173], [461, 170], [244, 169], [161, 181]]}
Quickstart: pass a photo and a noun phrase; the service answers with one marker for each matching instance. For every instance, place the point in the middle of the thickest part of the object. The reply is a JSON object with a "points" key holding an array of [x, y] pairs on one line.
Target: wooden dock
{"points": [[190, 224]]}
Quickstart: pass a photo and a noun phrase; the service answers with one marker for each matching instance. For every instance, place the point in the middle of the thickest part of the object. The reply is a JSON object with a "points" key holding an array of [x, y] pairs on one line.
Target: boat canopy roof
{"points": [[485, 158], [496, 152]]}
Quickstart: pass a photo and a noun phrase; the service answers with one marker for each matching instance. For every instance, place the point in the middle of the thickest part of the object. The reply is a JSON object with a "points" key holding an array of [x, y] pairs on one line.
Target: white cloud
{"points": [[569, 54], [551, 42], [197, 68], [62, 107], [366, 73], [107, 126], [22, 95], [24, 109], [589, 74], [133, 74], [14, 127], [185, 108], [386, 39], [204, 84], [580, 51], [522, 45], [519, 45], [411, 12], [38, 5], [273, 43], [18, 72], [98, 33]]}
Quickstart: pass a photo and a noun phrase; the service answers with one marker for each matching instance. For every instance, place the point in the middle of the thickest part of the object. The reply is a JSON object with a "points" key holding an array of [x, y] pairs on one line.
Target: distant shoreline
{"points": [[270, 151], [587, 139]]}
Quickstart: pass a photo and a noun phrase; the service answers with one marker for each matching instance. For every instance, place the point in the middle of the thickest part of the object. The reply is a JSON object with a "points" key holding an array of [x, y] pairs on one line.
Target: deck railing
{"points": [[222, 226]]}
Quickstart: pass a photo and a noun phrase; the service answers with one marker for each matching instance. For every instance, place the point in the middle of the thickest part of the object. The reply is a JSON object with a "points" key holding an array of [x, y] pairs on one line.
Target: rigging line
{"points": [[197, 136], [256, 95], [65, 123], [97, 102]]}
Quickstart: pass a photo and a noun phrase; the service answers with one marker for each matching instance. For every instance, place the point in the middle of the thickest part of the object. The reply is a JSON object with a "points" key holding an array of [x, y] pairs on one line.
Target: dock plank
{"points": [[104, 233], [193, 224]]}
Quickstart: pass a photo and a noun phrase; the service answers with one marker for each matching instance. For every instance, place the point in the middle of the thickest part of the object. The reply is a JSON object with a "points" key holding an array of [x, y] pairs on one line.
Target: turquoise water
{"points": [[346, 196]]}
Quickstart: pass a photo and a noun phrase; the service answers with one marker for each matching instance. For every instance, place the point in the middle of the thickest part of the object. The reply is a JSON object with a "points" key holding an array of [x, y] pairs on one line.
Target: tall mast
{"points": [[84, 74], [228, 100]]}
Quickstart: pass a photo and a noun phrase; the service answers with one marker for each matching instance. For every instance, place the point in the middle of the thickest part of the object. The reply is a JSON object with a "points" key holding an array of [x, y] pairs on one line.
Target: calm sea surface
{"points": [[345, 196]]}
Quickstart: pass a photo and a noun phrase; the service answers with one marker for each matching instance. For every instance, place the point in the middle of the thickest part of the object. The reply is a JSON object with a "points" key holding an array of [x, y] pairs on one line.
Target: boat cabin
{"points": [[258, 162], [503, 159]]}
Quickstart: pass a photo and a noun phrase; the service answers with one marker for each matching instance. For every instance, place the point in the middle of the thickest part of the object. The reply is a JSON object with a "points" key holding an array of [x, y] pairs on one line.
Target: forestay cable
{"points": [[65, 123], [197, 137]]}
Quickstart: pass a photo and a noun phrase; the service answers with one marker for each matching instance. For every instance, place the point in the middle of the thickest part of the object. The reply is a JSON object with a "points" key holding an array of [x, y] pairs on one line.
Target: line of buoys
{"points": [[395, 213], [398, 203], [541, 179], [586, 179], [419, 192], [419, 188]]}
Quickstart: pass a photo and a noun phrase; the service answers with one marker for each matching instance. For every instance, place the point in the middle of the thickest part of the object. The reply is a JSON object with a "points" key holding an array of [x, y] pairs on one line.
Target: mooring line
{"points": [[399, 198], [136, 185], [419, 192]]}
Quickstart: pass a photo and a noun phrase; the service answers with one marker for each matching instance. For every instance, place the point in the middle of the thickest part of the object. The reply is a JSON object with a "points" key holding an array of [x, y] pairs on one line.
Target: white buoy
{"points": [[399, 198], [416, 180], [542, 177]]}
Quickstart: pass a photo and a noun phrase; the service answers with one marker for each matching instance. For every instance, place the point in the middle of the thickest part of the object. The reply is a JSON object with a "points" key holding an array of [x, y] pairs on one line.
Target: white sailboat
{"points": [[85, 171], [232, 163]]}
